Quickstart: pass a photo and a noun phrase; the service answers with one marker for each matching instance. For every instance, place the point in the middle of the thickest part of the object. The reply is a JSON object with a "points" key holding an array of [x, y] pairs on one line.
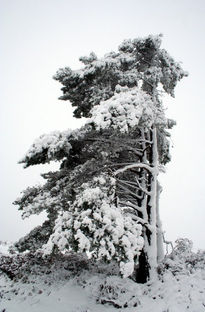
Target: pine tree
{"points": [[104, 198]]}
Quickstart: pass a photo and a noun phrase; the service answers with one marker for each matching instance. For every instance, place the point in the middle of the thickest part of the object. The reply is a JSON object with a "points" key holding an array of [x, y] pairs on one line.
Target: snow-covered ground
{"points": [[92, 291]]}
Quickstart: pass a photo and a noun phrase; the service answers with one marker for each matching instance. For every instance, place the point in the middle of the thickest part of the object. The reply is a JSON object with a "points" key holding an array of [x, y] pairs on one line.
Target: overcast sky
{"points": [[39, 36]]}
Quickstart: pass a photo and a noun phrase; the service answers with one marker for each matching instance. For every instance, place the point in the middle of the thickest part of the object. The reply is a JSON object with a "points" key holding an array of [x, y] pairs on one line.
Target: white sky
{"points": [[39, 36]]}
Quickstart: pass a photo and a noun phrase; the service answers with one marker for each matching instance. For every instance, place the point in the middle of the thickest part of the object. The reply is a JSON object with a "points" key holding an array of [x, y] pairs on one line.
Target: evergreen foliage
{"points": [[103, 200]]}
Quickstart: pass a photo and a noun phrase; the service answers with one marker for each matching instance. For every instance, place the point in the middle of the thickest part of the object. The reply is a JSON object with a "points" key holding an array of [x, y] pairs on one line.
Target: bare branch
{"points": [[143, 189], [129, 192], [167, 243]]}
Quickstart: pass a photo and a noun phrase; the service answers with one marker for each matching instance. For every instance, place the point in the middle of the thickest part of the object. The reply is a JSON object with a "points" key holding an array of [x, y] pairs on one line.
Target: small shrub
{"points": [[19, 266], [182, 260]]}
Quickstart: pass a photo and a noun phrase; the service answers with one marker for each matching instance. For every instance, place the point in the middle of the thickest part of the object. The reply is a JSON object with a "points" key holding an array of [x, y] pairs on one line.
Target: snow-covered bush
{"points": [[114, 291], [182, 260], [18, 266], [94, 225]]}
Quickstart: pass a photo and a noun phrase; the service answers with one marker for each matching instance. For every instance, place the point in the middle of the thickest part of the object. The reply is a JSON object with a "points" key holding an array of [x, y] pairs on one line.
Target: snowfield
{"points": [[173, 295], [78, 289]]}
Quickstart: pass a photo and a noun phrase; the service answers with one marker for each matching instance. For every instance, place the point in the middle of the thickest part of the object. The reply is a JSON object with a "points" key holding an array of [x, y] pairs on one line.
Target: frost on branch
{"points": [[93, 224]]}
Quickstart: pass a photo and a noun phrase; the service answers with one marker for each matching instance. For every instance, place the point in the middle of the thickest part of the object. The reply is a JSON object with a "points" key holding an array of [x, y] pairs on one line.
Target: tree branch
{"points": [[143, 189], [142, 221], [129, 192], [152, 170], [129, 204]]}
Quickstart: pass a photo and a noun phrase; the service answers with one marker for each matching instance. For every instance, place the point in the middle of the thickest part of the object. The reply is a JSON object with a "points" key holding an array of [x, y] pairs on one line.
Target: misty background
{"points": [[38, 37]]}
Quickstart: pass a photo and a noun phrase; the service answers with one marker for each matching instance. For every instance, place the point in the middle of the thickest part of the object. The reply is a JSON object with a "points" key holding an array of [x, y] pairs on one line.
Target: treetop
{"points": [[137, 63]]}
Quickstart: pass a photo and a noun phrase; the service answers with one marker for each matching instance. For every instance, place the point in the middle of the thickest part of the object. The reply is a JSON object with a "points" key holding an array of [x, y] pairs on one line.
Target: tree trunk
{"points": [[152, 240], [160, 240]]}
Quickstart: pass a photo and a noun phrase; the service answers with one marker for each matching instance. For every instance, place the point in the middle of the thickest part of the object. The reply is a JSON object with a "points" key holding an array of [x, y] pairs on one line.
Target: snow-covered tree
{"points": [[104, 198]]}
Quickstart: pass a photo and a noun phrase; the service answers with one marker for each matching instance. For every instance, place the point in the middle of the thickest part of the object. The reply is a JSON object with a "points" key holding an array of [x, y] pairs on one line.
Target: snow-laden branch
{"points": [[152, 170], [131, 205], [126, 109], [142, 221]]}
